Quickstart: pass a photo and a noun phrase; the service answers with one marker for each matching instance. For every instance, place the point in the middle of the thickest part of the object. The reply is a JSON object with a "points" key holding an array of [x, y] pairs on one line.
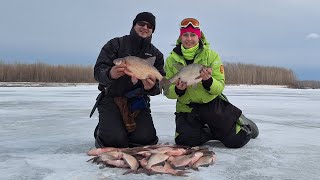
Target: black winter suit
{"points": [[111, 130]]}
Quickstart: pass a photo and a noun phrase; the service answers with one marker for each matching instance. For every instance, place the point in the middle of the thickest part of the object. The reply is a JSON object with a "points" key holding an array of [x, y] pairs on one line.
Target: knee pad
{"points": [[238, 140]]}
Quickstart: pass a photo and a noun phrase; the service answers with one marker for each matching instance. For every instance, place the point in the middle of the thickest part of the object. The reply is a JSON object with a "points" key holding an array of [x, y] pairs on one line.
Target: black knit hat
{"points": [[146, 16]]}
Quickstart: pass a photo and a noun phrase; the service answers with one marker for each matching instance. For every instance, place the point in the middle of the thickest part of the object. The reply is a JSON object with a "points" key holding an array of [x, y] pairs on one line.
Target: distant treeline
{"points": [[40, 72], [236, 73]]}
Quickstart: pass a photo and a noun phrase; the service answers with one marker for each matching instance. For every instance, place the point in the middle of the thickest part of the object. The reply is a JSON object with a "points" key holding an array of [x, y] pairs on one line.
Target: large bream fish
{"points": [[189, 74], [140, 68]]}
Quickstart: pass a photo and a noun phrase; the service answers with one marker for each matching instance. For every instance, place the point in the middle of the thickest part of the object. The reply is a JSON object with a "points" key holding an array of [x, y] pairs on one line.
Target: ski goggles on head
{"points": [[142, 23], [190, 21]]}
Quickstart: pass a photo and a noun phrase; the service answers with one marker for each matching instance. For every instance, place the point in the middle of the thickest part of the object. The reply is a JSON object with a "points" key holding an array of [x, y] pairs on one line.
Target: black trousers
{"points": [[215, 120], [111, 131]]}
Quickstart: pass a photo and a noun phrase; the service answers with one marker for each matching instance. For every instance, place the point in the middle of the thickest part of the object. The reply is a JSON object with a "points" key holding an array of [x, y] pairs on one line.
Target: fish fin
{"points": [[198, 77], [92, 159], [195, 168], [129, 171], [129, 73], [178, 66], [134, 80], [182, 173], [102, 166], [151, 60]]}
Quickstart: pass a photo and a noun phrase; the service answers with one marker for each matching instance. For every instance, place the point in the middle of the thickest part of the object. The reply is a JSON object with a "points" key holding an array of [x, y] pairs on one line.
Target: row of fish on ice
{"points": [[154, 159]]}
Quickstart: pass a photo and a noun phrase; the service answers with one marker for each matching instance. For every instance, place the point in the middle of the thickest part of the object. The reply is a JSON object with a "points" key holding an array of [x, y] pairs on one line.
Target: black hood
{"points": [[137, 42]]}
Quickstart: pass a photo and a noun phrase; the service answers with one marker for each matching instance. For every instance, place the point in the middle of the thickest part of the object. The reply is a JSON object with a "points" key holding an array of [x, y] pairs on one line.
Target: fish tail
{"points": [[164, 85]]}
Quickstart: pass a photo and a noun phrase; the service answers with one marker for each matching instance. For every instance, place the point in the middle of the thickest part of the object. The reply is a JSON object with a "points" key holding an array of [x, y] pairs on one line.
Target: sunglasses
{"points": [[142, 23], [190, 21]]}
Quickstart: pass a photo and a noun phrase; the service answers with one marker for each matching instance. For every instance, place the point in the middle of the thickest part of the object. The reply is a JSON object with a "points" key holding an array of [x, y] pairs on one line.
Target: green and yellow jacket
{"points": [[195, 94]]}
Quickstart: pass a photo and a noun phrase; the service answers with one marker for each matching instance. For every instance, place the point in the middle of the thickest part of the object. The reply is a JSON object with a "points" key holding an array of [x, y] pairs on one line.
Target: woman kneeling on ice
{"points": [[203, 113]]}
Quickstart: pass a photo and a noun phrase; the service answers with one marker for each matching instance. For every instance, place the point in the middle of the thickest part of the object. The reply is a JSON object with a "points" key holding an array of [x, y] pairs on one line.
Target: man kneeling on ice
{"points": [[123, 104]]}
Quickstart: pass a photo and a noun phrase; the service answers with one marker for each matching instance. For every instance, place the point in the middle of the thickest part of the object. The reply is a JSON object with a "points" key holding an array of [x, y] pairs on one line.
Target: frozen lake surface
{"points": [[45, 132]]}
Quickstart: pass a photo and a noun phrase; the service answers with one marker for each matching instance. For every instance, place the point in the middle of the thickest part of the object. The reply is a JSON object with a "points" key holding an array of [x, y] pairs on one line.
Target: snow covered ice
{"points": [[46, 131]]}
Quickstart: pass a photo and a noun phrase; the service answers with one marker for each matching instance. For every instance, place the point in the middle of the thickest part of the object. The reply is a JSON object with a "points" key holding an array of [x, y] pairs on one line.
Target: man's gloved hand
{"points": [[148, 83], [117, 71]]}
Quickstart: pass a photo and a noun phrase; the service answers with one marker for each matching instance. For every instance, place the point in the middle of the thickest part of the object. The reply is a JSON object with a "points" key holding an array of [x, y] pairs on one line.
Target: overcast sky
{"points": [[282, 33]]}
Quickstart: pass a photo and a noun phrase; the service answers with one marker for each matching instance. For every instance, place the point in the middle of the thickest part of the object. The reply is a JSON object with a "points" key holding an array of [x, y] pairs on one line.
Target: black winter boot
{"points": [[253, 126]]}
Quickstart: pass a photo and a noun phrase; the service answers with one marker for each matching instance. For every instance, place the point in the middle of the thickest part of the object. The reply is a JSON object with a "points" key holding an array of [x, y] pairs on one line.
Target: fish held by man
{"points": [[139, 68], [154, 159]]}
